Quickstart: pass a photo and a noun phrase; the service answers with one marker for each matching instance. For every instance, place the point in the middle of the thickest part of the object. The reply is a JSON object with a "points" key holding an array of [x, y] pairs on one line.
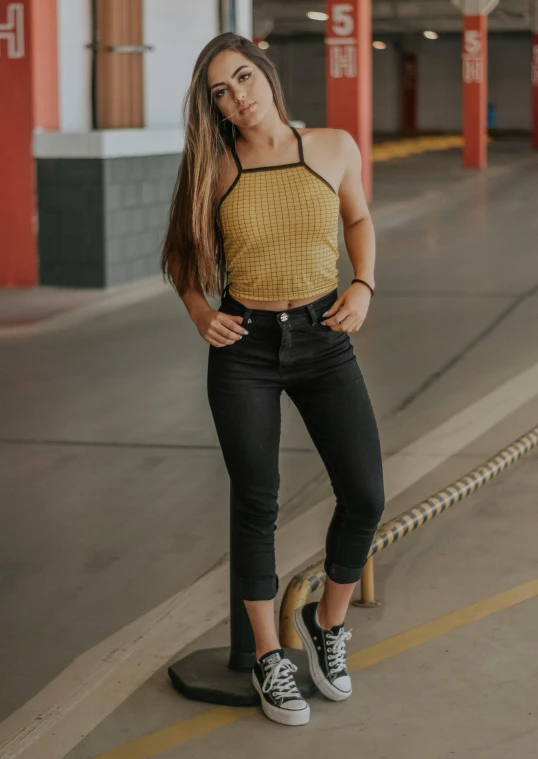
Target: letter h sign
{"points": [[13, 31]]}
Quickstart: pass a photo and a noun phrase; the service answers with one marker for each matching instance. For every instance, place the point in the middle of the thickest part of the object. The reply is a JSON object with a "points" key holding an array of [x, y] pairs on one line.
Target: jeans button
{"points": [[284, 316]]}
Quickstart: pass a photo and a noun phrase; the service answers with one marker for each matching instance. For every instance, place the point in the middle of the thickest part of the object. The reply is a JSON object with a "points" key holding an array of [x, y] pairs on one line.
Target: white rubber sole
{"points": [[284, 716], [315, 671]]}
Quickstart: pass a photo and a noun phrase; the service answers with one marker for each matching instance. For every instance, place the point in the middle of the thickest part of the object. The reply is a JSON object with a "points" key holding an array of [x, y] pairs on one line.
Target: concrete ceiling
{"points": [[388, 16]]}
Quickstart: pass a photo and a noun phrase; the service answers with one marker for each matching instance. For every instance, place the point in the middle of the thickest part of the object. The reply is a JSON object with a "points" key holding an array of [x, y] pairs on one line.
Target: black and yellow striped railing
{"points": [[313, 577]]}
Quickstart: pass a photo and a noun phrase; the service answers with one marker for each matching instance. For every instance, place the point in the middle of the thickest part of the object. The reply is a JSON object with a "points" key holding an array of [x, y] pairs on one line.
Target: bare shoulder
{"points": [[334, 143]]}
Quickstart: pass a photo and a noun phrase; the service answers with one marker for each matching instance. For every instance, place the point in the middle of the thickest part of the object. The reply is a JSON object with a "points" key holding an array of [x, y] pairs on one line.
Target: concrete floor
{"points": [[111, 474]]}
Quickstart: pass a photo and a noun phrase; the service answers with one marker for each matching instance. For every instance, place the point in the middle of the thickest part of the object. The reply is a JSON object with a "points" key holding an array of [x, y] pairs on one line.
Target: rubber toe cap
{"points": [[295, 705], [343, 683]]}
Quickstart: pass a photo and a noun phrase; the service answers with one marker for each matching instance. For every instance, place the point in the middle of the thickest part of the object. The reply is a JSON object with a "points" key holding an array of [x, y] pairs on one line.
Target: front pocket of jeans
{"points": [[326, 332], [237, 342], [319, 327]]}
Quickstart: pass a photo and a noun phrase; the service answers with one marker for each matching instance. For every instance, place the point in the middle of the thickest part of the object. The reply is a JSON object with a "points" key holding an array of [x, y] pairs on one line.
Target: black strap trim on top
{"points": [[278, 166], [301, 162], [300, 143], [309, 168], [238, 176], [236, 157]]}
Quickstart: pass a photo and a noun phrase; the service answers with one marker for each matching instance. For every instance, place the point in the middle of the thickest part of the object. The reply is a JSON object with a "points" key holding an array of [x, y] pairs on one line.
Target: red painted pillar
{"points": [[28, 99], [348, 65], [410, 88], [534, 81], [475, 82]]}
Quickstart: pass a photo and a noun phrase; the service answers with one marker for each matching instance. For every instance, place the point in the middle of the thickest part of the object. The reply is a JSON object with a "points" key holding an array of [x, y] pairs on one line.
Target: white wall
{"points": [[179, 30], [74, 64]]}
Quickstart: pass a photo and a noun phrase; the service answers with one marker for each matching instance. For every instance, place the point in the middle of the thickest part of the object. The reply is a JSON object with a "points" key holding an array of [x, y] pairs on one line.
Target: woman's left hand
{"points": [[349, 310]]}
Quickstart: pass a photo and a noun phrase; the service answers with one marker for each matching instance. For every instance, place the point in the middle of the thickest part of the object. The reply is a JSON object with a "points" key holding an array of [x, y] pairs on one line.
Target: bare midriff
{"points": [[278, 305]]}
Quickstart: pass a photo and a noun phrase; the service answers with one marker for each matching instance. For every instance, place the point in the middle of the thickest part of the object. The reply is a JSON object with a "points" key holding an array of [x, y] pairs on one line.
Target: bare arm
{"points": [[349, 311], [195, 303], [359, 232], [218, 329]]}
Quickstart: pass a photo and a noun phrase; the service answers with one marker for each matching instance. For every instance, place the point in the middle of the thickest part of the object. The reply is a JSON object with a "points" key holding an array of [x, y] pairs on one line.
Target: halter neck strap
{"points": [[299, 143], [236, 157]]}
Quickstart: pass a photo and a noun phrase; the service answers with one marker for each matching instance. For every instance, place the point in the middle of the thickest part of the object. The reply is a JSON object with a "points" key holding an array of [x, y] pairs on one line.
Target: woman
{"points": [[258, 201]]}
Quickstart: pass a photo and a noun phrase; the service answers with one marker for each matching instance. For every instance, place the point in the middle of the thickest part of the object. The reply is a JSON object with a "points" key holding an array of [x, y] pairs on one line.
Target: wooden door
{"points": [[119, 71]]}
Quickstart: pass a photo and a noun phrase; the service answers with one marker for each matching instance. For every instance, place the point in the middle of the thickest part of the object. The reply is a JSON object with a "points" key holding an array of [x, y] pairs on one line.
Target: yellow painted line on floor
{"points": [[386, 151], [161, 740], [385, 649], [154, 743]]}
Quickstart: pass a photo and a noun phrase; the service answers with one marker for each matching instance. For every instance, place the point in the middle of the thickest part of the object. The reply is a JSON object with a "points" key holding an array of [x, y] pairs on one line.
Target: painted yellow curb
{"points": [[195, 727]]}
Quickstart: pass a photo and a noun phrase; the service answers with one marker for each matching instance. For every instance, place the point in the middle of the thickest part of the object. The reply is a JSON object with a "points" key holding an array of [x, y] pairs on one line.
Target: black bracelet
{"points": [[364, 283]]}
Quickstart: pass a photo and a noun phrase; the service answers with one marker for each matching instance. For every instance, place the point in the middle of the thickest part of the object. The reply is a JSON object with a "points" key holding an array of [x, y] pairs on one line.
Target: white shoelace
{"points": [[279, 680], [336, 644]]}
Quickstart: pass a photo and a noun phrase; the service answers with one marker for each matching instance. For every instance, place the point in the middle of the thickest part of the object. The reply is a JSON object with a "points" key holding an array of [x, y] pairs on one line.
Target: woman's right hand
{"points": [[220, 329]]}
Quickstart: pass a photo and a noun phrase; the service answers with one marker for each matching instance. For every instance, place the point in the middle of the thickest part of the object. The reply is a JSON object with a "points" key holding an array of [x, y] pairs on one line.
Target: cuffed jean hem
{"points": [[259, 590], [342, 575]]}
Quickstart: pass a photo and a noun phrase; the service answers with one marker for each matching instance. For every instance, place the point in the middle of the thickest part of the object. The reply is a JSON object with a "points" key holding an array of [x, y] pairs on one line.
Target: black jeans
{"points": [[316, 366]]}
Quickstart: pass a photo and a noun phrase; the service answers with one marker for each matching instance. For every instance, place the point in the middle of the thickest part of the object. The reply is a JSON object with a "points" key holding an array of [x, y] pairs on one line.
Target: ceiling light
{"points": [[379, 45], [315, 16], [263, 44], [430, 35]]}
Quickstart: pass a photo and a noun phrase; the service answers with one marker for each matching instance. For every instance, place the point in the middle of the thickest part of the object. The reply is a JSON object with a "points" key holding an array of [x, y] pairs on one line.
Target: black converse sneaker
{"points": [[281, 699], [326, 651]]}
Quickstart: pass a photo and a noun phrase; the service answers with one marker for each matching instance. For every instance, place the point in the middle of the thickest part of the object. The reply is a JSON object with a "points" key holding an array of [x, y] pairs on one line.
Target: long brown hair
{"points": [[192, 254]]}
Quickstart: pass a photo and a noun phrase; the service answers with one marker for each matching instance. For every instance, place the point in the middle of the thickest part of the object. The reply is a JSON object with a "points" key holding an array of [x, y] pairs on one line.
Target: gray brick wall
{"points": [[70, 217], [102, 221]]}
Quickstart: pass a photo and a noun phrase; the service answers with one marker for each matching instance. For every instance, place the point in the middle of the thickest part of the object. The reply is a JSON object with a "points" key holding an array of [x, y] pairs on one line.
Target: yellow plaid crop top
{"points": [[280, 231]]}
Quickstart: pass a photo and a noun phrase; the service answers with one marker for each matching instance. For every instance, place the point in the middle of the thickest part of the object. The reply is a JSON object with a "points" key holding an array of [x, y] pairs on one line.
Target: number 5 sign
{"points": [[471, 43], [342, 21], [472, 57]]}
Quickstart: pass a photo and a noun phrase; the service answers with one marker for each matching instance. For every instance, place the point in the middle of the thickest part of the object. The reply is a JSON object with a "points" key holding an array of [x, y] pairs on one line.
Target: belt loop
{"points": [[225, 291], [312, 312], [246, 317]]}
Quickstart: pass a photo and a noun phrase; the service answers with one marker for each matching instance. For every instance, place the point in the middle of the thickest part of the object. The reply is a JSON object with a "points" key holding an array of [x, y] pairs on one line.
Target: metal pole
{"points": [[223, 675], [227, 16], [367, 585]]}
